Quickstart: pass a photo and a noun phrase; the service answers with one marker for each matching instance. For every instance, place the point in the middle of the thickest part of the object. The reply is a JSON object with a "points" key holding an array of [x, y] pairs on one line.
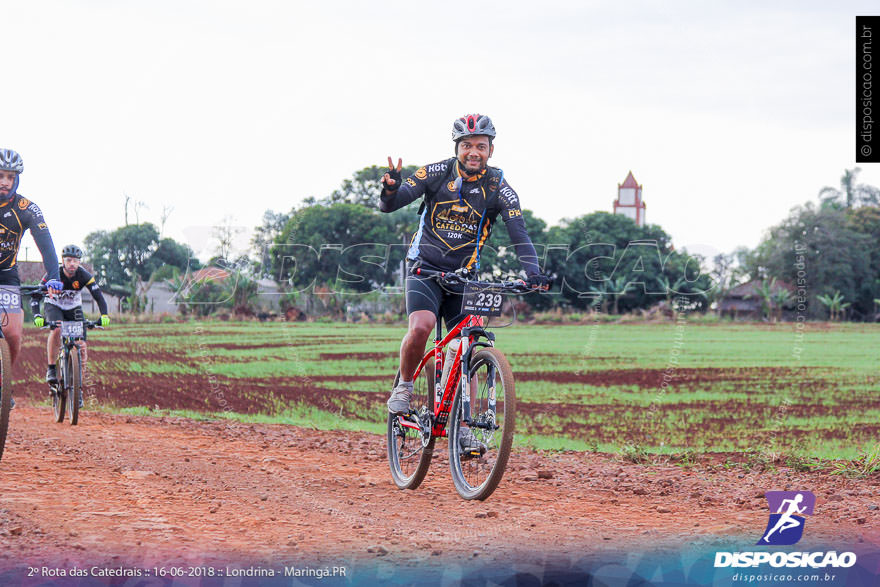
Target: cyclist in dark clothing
{"points": [[463, 197], [18, 214], [458, 208], [67, 305]]}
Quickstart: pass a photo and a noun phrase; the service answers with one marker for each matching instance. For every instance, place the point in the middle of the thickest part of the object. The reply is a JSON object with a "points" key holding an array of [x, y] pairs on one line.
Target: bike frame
{"points": [[67, 346], [469, 330]]}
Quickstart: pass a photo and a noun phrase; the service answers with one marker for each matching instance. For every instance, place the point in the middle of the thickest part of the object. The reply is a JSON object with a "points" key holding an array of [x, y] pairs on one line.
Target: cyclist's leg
{"points": [[12, 327], [421, 306], [423, 297], [53, 344], [11, 314]]}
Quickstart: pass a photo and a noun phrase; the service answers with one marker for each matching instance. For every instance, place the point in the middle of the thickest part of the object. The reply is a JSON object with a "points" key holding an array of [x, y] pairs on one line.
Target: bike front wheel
{"points": [[59, 394], [478, 452], [74, 388], [5, 391], [409, 454]]}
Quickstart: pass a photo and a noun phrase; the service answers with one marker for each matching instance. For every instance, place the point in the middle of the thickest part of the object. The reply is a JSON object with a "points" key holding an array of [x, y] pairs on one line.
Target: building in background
{"points": [[629, 200]]}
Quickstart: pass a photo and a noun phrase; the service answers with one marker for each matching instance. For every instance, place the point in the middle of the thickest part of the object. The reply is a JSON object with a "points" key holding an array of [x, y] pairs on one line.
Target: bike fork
{"points": [[465, 382], [490, 381]]}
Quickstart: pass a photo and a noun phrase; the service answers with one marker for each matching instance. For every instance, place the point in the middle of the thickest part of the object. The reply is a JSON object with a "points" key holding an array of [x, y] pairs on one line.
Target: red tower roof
{"points": [[630, 181]]}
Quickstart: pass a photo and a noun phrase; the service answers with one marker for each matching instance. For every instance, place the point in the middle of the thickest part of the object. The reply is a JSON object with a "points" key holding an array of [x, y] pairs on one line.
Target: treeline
{"points": [[342, 243], [828, 249], [825, 254]]}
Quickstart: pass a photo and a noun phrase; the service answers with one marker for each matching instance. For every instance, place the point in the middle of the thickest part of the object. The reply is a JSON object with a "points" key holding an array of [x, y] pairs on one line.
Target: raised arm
{"points": [[397, 193], [37, 225]]}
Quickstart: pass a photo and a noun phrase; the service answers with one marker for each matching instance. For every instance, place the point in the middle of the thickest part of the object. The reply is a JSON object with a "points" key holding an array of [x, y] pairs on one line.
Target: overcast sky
{"points": [[729, 114]]}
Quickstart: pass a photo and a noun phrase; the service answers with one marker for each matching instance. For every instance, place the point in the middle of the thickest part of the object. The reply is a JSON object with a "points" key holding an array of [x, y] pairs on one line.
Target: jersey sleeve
{"points": [[40, 231], [410, 190], [508, 201], [37, 297], [90, 282], [512, 216], [414, 187]]}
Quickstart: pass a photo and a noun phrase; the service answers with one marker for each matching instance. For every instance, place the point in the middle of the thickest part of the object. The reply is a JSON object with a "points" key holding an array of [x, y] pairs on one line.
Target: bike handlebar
{"points": [[90, 324], [454, 277], [34, 289]]}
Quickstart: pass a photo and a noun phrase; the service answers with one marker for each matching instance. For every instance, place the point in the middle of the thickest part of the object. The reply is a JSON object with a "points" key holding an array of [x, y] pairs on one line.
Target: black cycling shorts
{"points": [[424, 293], [53, 314]]}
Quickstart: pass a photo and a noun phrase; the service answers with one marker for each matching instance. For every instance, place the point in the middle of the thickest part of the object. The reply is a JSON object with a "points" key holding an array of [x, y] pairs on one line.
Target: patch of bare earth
{"points": [[151, 491]]}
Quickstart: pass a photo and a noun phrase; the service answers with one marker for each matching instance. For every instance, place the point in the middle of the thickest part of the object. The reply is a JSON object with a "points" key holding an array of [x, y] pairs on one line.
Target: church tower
{"points": [[629, 201]]}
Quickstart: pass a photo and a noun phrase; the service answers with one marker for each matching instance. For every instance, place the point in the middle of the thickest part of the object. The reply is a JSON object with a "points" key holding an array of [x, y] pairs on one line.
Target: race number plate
{"points": [[71, 329], [480, 301]]}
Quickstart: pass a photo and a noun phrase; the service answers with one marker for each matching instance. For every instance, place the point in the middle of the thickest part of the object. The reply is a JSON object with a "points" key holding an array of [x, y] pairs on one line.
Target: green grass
{"points": [[303, 416], [819, 402]]}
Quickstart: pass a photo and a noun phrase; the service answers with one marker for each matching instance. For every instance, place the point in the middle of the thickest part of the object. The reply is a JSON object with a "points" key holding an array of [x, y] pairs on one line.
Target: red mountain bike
{"points": [[477, 396]]}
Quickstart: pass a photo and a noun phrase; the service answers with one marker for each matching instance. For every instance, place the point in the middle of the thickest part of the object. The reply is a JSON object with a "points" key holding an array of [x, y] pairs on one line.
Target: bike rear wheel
{"points": [[477, 474], [409, 454], [74, 389], [6, 389]]}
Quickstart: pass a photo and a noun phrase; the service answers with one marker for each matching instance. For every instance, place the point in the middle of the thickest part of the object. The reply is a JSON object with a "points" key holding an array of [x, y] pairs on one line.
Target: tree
{"points": [[225, 234], [819, 246], [835, 304], [601, 246], [725, 274], [171, 253], [764, 292], [122, 253], [850, 194], [166, 214], [265, 236], [134, 251], [364, 187], [620, 286], [781, 298], [344, 246]]}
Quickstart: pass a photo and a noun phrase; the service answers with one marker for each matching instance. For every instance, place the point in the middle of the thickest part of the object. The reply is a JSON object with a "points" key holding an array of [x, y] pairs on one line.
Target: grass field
{"points": [[666, 387]]}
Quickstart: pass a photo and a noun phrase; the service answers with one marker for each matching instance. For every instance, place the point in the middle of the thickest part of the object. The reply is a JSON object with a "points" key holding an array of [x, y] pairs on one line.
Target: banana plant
{"points": [[780, 298], [835, 304], [764, 292]]}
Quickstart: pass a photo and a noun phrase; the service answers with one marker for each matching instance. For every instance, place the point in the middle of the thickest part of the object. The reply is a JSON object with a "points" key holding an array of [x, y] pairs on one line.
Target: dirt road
{"points": [[156, 491]]}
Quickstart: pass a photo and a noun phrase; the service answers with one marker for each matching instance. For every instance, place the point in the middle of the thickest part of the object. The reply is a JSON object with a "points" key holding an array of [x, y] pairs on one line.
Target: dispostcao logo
{"points": [[787, 516], [788, 511]]}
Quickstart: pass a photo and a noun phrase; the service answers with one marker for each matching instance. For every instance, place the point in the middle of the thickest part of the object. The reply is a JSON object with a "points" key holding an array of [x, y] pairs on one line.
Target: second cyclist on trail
{"points": [[462, 199], [67, 305]]}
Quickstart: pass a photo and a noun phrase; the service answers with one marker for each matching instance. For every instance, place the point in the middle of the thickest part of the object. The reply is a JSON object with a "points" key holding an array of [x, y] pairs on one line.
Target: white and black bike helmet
{"points": [[472, 125], [72, 251], [11, 161]]}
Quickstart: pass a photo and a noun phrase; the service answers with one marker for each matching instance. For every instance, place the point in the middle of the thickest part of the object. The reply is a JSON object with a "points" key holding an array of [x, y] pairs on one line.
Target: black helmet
{"points": [[11, 161], [72, 251], [472, 125]]}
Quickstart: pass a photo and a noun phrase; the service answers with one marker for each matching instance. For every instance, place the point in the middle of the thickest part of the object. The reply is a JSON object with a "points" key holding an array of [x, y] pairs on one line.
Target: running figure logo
{"points": [[786, 524]]}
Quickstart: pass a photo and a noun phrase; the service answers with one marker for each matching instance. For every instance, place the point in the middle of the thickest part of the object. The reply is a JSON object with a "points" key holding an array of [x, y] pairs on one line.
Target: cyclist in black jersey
{"points": [[67, 305], [18, 214], [462, 199]]}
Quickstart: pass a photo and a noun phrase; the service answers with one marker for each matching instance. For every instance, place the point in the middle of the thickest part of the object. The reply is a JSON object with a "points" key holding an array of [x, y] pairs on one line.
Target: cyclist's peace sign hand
{"points": [[391, 179]]}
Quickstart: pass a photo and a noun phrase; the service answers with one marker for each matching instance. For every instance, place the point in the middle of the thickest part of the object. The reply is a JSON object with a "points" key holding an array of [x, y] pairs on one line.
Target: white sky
{"points": [[728, 114]]}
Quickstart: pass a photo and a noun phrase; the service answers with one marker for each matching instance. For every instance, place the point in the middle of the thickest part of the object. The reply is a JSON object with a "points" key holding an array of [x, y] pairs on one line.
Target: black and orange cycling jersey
{"points": [[18, 214], [458, 215], [70, 296]]}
